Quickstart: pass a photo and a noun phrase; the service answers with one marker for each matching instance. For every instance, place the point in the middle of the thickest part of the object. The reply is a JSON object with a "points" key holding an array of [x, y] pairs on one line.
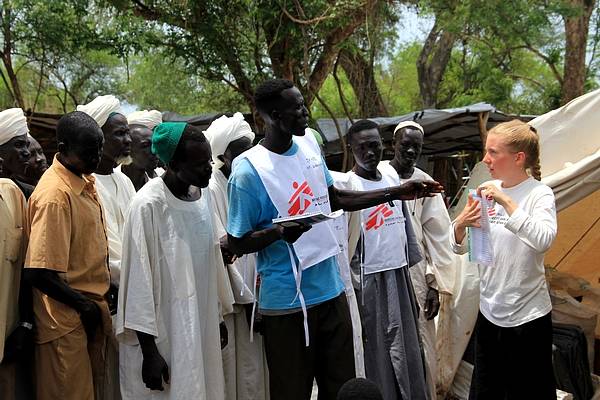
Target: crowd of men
{"points": [[144, 263]]}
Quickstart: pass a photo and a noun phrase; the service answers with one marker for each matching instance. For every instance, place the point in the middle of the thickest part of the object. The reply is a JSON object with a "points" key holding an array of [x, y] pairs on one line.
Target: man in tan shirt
{"points": [[67, 264]]}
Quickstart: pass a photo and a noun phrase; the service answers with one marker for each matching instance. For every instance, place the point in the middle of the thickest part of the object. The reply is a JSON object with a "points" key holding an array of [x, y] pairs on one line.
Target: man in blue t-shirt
{"points": [[329, 358]]}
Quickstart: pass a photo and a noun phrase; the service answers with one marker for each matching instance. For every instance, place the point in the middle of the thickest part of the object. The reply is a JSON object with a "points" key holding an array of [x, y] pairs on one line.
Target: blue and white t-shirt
{"points": [[250, 208]]}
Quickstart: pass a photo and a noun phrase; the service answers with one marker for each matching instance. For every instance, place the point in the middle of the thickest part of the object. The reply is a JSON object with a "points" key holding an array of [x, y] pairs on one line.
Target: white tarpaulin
{"points": [[570, 149]]}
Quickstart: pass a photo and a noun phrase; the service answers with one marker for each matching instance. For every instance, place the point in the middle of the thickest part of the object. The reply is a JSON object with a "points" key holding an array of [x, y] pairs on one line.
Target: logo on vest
{"points": [[377, 217], [301, 199]]}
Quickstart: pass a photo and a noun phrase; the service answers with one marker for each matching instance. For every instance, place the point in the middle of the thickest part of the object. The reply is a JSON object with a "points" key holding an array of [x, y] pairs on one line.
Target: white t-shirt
{"points": [[514, 289]]}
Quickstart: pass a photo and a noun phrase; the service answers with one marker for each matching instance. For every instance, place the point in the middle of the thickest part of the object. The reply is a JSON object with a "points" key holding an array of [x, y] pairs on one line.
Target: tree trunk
{"points": [[362, 79], [5, 53], [331, 48], [432, 63], [576, 35], [15, 88]]}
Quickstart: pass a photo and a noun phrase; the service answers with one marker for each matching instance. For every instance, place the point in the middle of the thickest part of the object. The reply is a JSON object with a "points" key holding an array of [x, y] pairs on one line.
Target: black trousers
{"points": [[329, 359], [513, 363]]}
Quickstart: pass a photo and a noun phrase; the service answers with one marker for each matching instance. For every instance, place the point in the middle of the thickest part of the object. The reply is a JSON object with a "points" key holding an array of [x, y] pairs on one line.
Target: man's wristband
{"points": [[27, 325], [387, 196]]}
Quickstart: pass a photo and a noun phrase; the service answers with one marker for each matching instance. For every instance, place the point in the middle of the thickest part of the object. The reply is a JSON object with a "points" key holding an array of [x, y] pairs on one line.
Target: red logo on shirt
{"points": [[301, 199], [491, 206], [377, 217]]}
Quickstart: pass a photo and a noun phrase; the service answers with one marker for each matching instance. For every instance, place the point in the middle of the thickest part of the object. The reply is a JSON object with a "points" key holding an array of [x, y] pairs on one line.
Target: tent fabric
{"points": [[460, 310], [570, 149], [576, 249], [446, 131]]}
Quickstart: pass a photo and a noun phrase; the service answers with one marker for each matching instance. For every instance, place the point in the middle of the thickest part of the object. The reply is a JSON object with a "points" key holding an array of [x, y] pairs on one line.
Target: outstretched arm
{"points": [[352, 200]]}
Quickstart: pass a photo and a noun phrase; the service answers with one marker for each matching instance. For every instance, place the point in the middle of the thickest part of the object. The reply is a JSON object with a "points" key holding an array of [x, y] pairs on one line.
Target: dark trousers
{"points": [[513, 363], [329, 359]]}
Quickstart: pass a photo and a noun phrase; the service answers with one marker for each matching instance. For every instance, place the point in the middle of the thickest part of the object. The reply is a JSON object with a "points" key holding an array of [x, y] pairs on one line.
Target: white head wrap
{"points": [[408, 123], [101, 107], [12, 124], [147, 118], [225, 130]]}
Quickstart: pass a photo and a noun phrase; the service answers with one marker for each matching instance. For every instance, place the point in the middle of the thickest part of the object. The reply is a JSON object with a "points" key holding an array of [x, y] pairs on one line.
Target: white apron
{"points": [[296, 185], [383, 230]]}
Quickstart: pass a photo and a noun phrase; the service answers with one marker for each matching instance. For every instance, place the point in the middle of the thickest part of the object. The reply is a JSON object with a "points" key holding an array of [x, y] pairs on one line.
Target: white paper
{"points": [[480, 246], [307, 219]]}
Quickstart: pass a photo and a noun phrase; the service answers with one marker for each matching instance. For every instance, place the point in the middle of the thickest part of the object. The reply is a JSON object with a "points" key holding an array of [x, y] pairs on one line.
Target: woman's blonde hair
{"points": [[519, 136]]}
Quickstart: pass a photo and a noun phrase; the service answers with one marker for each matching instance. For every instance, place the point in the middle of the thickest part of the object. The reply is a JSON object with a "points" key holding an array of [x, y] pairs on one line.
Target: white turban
{"points": [[12, 124], [101, 108], [408, 123], [225, 130], [147, 118]]}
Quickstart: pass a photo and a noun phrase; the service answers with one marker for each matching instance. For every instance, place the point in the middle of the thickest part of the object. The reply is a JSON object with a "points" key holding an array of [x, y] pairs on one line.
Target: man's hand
{"points": [[91, 318], [432, 304], [19, 340], [292, 233], [154, 371], [224, 335], [417, 188], [228, 256]]}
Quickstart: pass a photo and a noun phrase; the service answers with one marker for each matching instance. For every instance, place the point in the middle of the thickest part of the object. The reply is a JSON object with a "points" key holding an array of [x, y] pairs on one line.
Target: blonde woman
{"points": [[513, 357]]}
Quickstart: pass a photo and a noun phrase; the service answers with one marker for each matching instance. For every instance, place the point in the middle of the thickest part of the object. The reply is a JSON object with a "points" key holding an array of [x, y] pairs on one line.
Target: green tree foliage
{"points": [[55, 50], [243, 42], [196, 56], [162, 83], [399, 83]]}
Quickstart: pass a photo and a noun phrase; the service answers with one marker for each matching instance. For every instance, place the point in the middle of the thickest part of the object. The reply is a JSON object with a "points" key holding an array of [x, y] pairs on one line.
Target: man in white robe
{"points": [[114, 188], [144, 163], [14, 147], [115, 191], [244, 362], [168, 314], [433, 277]]}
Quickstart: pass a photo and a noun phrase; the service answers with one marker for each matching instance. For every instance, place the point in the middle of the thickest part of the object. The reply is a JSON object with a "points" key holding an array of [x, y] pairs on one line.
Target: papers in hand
{"points": [[480, 246], [306, 219]]}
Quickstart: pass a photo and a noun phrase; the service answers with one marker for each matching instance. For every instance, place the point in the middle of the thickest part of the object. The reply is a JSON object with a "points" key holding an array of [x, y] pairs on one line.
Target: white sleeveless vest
{"points": [[296, 185], [383, 229]]}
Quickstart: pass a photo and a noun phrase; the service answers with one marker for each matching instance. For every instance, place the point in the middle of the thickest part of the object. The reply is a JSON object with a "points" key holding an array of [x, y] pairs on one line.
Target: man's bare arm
{"points": [[352, 200]]}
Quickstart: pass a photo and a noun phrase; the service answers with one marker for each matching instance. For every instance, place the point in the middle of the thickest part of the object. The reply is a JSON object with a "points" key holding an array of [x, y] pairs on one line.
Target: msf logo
{"points": [[301, 199], [377, 217], [491, 210]]}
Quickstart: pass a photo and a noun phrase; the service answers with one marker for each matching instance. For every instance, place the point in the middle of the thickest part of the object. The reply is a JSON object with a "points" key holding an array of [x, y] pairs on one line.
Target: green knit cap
{"points": [[165, 138]]}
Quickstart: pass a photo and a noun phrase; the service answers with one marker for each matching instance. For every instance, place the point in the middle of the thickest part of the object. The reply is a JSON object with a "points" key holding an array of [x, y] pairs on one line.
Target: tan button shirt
{"points": [[67, 236], [13, 242]]}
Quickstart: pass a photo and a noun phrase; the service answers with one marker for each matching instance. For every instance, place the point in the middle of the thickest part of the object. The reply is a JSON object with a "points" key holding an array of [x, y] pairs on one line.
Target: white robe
{"points": [[115, 192], [431, 224], [244, 362], [341, 181], [169, 290]]}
